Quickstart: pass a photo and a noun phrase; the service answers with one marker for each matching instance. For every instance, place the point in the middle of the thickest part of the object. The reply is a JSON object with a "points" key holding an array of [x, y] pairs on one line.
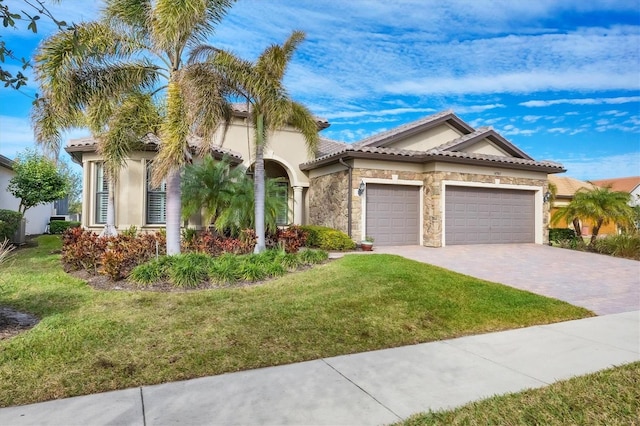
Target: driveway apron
{"points": [[602, 284]]}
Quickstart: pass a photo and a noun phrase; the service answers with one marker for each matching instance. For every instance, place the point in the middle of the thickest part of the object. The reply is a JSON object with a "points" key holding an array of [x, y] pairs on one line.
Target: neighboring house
{"points": [[626, 184], [566, 187], [37, 217], [434, 182]]}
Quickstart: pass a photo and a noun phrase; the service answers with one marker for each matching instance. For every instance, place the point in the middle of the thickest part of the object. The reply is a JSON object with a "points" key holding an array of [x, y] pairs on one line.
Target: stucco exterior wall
{"points": [[286, 146], [130, 193], [485, 147], [428, 139]]}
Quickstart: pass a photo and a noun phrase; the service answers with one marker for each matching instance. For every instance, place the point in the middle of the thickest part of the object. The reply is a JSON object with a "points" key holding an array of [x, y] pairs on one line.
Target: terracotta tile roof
{"points": [[151, 141], [415, 127], [422, 156], [626, 184], [374, 147], [567, 186], [327, 146], [243, 109]]}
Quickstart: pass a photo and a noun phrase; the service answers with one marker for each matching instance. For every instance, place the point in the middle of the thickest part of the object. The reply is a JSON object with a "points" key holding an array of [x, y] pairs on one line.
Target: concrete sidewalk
{"points": [[367, 388]]}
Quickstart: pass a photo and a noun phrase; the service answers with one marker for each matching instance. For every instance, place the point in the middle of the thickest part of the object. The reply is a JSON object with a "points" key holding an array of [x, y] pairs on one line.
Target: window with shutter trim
{"points": [[102, 194], [156, 200], [282, 193]]}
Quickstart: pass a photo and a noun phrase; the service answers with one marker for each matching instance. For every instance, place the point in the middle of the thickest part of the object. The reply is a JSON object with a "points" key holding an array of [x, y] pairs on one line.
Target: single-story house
{"points": [[37, 217], [436, 181], [626, 184]]}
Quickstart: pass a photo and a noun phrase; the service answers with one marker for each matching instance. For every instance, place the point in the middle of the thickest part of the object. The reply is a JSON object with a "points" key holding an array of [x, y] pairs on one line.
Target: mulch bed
{"points": [[14, 322]]}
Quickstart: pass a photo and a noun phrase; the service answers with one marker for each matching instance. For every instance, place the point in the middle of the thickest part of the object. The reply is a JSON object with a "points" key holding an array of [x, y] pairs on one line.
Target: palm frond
{"points": [[205, 93], [173, 152]]}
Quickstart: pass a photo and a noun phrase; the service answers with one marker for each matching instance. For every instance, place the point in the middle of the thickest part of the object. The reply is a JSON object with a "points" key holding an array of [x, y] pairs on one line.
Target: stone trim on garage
{"points": [[328, 197]]}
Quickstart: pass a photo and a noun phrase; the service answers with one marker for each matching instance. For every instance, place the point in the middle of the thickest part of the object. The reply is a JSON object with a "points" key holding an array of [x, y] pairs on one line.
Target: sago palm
{"points": [[136, 47], [599, 206], [260, 84]]}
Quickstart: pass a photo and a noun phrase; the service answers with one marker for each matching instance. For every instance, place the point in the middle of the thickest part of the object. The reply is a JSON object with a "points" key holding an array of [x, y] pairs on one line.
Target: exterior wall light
{"points": [[361, 188], [547, 196]]}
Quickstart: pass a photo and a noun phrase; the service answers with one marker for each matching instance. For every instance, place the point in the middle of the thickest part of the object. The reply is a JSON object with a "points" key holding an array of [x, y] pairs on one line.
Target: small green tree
{"points": [[37, 181]]}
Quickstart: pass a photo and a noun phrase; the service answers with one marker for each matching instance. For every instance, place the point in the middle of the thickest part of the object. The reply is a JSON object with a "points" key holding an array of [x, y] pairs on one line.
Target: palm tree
{"points": [[260, 84], [226, 195], [599, 206], [137, 47]]}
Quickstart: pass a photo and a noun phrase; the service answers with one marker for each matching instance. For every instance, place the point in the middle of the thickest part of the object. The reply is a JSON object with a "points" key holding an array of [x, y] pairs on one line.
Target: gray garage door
{"points": [[393, 214], [487, 216]]}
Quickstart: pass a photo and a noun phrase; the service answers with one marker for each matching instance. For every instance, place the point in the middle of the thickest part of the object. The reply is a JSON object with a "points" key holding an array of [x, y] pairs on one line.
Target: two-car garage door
{"points": [[488, 216], [473, 215]]}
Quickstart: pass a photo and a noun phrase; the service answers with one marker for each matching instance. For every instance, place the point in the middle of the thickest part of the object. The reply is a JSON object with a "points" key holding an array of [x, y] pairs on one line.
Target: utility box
{"points": [[20, 236]]}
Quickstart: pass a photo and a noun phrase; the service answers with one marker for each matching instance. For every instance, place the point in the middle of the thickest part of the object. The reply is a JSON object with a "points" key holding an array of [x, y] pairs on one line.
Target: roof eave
{"points": [[425, 158]]}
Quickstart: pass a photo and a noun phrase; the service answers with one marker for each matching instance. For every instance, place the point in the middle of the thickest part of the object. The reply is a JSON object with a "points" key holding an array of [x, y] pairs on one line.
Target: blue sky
{"points": [[560, 79]]}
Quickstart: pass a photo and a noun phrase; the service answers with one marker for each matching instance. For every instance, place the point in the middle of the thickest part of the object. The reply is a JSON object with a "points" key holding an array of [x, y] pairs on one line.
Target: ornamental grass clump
{"points": [[189, 270]]}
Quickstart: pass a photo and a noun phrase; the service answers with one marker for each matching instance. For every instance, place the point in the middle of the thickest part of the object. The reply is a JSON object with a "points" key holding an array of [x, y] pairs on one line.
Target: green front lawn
{"points": [[609, 397], [92, 341]]}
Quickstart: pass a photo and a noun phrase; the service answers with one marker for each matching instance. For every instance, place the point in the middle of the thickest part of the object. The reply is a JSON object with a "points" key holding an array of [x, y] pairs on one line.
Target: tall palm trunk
{"points": [[259, 186], [174, 195], [110, 224]]}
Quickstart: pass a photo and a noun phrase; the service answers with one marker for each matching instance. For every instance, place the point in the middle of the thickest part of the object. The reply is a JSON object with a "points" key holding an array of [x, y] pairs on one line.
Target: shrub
{"points": [[150, 272], [189, 270], [82, 249], [290, 261], [59, 226], [310, 257], [131, 232], [252, 270], [113, 256], [327, 238], [292, 238], [9, 223], [215, 245], [560, 234], [623, 245], [225, 269]]}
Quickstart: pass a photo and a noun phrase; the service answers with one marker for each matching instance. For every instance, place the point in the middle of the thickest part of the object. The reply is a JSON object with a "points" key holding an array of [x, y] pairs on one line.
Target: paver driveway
{"points": [[603, 284]]}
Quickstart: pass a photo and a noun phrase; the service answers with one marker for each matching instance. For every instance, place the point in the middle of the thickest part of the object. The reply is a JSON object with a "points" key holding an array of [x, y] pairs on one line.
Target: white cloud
{"points": [[511, 130], [583, 101], [385, 112], [602, 167], [561, 130], [476, 108]]}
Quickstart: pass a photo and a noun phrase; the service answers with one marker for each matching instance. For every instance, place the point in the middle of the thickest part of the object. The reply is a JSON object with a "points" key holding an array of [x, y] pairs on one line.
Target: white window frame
{"points": [[150, 191], [100, 196]]}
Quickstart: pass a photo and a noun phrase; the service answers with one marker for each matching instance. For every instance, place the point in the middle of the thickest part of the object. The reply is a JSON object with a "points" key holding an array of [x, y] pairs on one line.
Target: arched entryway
{"points": [[291, 213]]}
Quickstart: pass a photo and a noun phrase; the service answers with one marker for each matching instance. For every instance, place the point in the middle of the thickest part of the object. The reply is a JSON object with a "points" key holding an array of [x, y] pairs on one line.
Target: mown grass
{"points": [[609, 397], [92, 341]]}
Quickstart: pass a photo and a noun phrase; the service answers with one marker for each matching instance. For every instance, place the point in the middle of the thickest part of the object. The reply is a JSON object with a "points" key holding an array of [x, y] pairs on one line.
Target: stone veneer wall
{"points": [[328, 200]]}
